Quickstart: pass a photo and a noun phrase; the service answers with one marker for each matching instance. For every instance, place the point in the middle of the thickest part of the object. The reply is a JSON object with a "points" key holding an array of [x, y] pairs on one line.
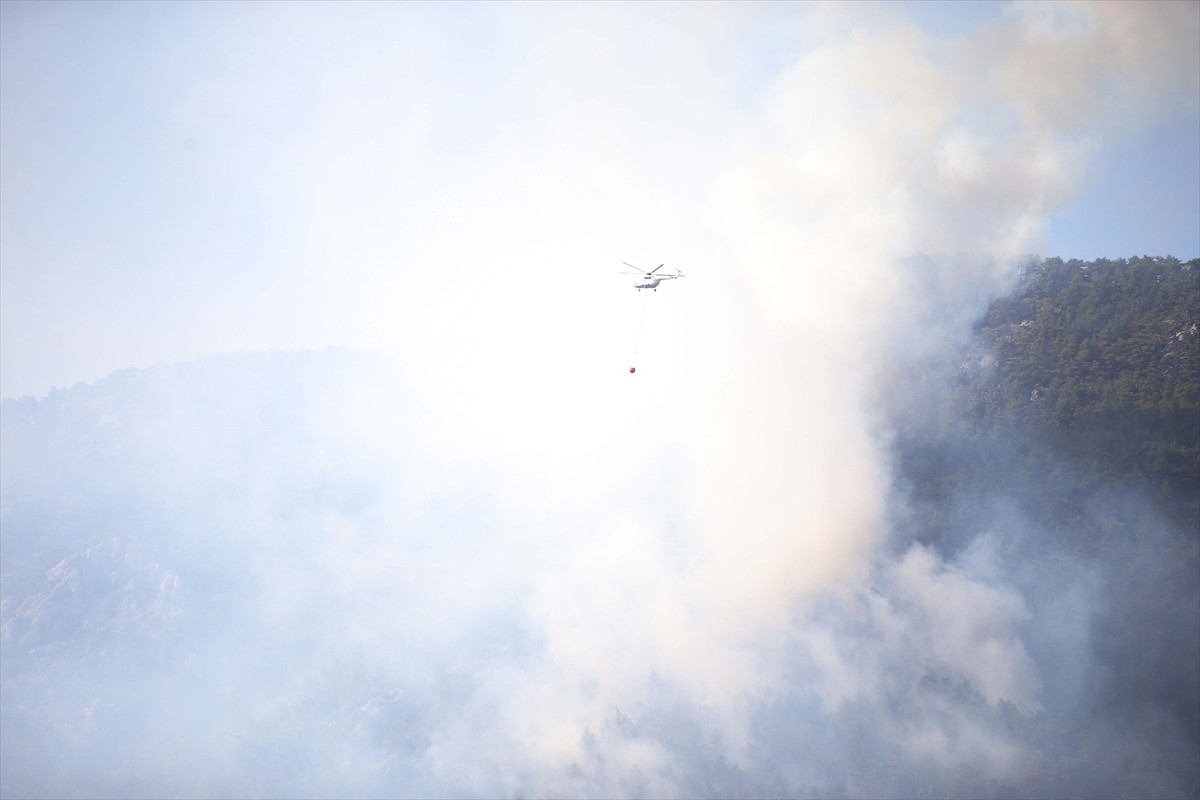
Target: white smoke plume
{"points": [[879, 144]]}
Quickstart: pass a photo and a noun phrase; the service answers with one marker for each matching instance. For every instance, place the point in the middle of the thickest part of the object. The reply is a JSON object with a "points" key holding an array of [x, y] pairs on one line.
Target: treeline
{"points": [[1067, 436], [1087, 375], [1103, 358]]}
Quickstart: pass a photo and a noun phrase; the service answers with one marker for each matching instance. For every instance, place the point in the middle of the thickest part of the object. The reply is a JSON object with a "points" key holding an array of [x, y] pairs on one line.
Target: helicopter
{"points": [[650, 281]]}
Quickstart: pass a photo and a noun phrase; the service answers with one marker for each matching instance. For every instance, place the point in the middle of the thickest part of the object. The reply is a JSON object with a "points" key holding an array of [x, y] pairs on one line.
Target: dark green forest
{"points": [[1067, 435], [1087, 374]]}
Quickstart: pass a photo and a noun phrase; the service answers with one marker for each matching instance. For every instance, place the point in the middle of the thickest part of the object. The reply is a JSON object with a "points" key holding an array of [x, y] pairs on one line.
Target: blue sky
{"points": [[183, 179], [1141, 197]]}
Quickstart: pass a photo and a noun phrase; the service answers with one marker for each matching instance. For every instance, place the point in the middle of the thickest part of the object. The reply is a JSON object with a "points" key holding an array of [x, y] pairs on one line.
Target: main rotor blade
{"points": [[656, 269], [639, 269]]}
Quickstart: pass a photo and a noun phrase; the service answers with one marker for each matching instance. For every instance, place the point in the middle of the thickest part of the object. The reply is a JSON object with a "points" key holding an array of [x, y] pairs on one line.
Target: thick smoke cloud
{"points": [[490, 562]]}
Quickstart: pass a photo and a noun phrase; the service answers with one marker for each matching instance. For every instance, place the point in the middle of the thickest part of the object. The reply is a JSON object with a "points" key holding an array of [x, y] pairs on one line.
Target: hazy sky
{"points": [[189, 178]]}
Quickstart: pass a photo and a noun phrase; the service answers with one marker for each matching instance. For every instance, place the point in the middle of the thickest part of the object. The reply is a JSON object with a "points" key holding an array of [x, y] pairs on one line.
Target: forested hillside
{"points": [[1105, 358], [1089, 373], [1067, 440]]}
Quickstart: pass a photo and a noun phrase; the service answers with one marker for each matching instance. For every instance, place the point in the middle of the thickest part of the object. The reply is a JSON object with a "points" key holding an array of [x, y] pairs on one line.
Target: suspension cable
{"points": [[641, 322]]}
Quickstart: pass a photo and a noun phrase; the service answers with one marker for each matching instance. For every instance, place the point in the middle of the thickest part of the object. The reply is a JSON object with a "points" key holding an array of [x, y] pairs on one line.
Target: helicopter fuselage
{"points": [[648, 280], [652, 283]]}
